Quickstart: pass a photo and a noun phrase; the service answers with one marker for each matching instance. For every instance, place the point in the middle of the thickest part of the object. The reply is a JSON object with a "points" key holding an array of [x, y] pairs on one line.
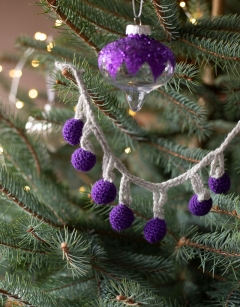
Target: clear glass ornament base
{"points": [[136, 86]]}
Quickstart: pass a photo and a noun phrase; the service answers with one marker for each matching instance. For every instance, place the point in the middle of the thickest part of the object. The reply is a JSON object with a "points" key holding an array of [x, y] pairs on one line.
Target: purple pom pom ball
{"points": [[83, 160], [72, 131], [103, 192], [121, 217], [155, 230], [219, 185], [132, 52], [199, 208]]}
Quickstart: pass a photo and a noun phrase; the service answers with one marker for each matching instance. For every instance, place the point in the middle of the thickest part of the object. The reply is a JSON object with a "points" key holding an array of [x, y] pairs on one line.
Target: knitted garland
{"points": [[104, 191]]}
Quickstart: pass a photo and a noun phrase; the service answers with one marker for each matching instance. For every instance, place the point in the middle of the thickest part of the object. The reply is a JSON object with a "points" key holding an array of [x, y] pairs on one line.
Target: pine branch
{"points": [[189, 113], [25, 139], [167, 13], [15, 297], [56, 7], [187, 242], [71, 284], [13, 191], [184, 74]]}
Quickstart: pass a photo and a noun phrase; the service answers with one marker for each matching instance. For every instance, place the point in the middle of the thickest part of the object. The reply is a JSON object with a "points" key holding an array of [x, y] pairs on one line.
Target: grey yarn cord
{"points": [[111, 162]]}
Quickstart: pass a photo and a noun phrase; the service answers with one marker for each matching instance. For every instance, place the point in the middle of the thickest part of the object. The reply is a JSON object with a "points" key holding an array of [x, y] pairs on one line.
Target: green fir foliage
{"points": [[57, 246]]}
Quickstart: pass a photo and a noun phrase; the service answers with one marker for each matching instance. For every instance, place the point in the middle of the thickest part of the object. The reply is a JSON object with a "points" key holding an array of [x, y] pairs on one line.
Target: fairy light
{"points": [[132, 113], [35, 63], [15, 73], [33, 93], [182, 4], [50, 47], [82, 189], [40, 36], [190, 17], [1, 68], [127, 150], [26, 188], [58, 22], [19, 104]]}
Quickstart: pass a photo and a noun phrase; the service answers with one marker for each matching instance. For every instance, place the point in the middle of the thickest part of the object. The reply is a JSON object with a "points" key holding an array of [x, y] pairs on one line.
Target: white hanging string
{"points": [[217, 166], [110, 161], [134, 11], [198, 188]]}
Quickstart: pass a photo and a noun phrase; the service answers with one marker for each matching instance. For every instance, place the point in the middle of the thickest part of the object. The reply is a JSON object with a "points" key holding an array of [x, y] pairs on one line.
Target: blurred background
{"points": [[22, 17]]}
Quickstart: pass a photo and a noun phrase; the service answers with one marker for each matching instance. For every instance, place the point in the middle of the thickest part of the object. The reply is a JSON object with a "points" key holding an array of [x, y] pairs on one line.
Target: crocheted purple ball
{"points": [[155, 230], [121, 217], [103, 192], [72, 131], [219, 185], [133, 51], [199, 208], [83, 160]]}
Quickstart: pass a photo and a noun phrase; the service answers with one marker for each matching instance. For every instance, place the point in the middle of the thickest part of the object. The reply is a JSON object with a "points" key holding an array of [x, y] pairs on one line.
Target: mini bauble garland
{"points": [[121, 217], [104, 191], [83, 160], [199, 208], [72, 131], [155, 230], [220, 185]]}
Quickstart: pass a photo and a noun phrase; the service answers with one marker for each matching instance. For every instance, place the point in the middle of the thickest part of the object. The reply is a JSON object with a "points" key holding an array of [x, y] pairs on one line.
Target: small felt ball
{"points": [[219, 185], [155, 230], [72, 131], [121, 217], [83, 160], [103, 192], [199, 208]]}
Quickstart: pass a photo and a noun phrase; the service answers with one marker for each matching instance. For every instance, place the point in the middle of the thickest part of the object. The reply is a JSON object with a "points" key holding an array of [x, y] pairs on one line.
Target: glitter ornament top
{"points": [[136, 64]]}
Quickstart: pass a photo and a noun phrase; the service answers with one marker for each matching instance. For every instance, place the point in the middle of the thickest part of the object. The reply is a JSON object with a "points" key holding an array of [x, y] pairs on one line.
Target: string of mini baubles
{"points": [[77, 130], [137, 64]]}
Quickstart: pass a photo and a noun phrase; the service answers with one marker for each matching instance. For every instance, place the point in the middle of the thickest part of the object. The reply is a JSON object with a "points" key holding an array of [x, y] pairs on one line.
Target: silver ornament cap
{"points": [[138, 29]]}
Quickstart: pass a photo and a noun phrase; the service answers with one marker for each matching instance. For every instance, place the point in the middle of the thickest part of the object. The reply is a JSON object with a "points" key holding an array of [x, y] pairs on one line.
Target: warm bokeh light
{"points": [[128, 150], [19, 104], [132, 113], [82, 189], [182, 4], [15, 73], [192, 20], [58, 23], [26, 188], [1, 68], [1, 150], [40, 36], [33, 93], [35, 63]]}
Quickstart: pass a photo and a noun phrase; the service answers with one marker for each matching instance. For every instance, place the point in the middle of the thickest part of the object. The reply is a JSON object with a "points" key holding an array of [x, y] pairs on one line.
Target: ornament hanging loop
{"points": [[140, 11], [135, 21]]}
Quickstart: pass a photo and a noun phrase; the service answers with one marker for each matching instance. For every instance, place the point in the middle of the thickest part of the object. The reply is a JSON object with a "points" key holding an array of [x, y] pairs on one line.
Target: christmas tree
{"points": [[57, 244]]}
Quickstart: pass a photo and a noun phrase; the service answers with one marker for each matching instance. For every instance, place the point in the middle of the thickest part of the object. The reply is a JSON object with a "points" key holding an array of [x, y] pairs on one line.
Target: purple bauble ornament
{"points": [[121, 217], [72, 131], [136, 64], [219, 185], [199, 208], [155, 230], [103, 192], [83, 160]]}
